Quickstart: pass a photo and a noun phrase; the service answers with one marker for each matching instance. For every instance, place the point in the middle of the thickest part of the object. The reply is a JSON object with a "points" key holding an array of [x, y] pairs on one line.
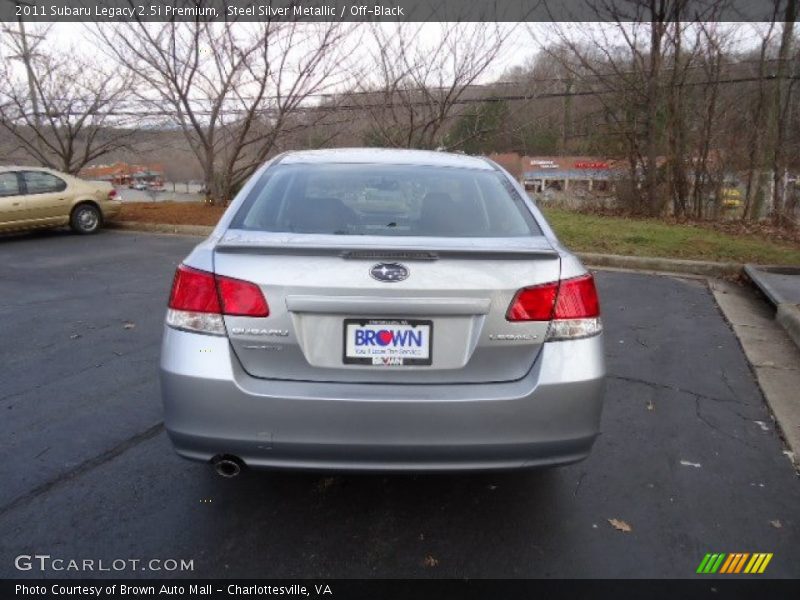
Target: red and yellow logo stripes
{"points": [[737, 562]]}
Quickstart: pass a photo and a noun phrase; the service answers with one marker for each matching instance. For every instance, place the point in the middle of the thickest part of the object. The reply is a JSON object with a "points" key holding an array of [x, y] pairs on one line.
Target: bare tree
{"points": [[757, 110], [417, 85], [658, 15], [676, 113], [642, 66], [781, 103], [709, 111], [61, 109], [621, 78], [231, 90]]}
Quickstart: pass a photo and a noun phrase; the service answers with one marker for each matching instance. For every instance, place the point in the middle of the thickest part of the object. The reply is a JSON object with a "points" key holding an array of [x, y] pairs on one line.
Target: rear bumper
{"points": [[110, 208], [549, 417]]}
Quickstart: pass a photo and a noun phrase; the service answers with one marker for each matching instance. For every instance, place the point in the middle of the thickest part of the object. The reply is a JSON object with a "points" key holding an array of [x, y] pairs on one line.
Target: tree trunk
{"points": [[209, 178], [677, 129], [756, 143], [780, 113], [567, 124], [653, 102]]}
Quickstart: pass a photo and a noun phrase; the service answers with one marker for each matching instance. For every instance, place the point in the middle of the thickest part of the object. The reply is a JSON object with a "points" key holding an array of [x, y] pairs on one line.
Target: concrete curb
{"points": [[789, 317], [783, 298], [776, 281], [201, 230], [667, 265], [771, 354]]}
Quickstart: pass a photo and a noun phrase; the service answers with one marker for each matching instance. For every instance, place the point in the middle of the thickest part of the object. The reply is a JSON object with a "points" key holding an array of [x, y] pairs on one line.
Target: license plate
{"points": [[387, 342]]}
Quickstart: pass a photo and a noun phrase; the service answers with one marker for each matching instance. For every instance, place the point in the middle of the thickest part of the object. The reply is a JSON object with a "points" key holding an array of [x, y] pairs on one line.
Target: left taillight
{"points": [[195, 291], [199, 300], [112, 194], [241, 298]]}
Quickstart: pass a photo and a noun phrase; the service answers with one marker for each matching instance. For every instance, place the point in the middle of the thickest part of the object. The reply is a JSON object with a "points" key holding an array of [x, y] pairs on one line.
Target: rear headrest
{"points": [[441, 215], [319, 215], [436, 213]]}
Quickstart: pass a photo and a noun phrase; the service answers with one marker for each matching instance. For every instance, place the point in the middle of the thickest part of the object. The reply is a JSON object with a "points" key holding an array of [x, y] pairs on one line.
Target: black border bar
{"points": [[702, 587], [382, 10]]}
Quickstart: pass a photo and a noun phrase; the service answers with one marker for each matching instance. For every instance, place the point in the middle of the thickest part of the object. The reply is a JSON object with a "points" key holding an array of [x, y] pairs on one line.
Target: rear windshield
{"points": [[389, 200]]}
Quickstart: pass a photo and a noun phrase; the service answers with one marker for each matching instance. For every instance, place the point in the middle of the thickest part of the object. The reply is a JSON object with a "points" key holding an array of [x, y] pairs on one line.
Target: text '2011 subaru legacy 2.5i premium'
{"points": [[382, 310]]}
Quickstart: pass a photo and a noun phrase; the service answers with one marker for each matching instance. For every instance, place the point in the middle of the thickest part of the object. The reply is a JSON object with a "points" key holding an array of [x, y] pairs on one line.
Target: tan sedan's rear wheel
{"points": [[85, 219]]}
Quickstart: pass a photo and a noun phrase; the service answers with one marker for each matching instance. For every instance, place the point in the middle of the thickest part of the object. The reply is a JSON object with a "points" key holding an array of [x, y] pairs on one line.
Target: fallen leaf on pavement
{"points": [[620, 525], [430, 561]]}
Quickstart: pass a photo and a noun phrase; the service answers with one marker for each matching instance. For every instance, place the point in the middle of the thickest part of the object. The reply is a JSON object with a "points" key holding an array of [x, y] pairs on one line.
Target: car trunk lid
{"points": [[321, 292]]}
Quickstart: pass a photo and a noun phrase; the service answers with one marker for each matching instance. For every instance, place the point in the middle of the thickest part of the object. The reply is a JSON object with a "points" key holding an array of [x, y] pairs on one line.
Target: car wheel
{"points": [[85, 219]]}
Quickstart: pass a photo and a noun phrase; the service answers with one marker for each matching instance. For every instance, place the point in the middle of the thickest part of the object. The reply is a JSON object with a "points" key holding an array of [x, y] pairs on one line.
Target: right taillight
{"points": [[571, 306], [577, 299], [199, 299]]}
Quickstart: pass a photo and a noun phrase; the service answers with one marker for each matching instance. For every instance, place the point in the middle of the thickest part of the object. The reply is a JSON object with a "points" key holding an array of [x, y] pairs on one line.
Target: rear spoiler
{"points": [[383, 248]]}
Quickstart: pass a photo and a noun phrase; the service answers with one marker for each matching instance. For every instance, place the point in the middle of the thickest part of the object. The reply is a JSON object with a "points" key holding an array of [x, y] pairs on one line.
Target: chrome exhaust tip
{"points": [[227, 466]]}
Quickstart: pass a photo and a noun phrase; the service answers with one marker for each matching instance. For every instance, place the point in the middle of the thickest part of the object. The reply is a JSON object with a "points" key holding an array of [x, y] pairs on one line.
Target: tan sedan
{"points": [[35, 197]]}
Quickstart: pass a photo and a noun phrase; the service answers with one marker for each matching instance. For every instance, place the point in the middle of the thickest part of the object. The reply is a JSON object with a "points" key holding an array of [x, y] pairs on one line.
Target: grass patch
{"points": [[651, 237], [172, 213]]}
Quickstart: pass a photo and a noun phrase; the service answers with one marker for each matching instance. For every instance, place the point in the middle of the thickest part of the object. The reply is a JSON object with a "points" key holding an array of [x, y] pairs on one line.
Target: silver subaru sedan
{"points": [[382, 310]]}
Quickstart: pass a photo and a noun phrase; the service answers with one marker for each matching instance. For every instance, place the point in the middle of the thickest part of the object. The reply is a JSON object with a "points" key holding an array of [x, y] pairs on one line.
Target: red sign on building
{"points": [[585, 164]]}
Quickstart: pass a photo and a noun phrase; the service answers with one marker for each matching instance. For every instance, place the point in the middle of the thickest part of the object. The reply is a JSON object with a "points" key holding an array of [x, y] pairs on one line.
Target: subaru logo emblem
{"points": [[389, 272]]}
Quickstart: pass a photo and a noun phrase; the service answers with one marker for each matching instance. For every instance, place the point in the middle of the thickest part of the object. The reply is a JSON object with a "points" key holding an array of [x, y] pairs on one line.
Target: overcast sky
{"points": [[519, 47], [524, 41]]}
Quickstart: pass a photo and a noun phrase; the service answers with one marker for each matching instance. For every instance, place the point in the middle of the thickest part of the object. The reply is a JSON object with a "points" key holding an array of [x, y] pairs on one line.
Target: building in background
{"points": [[561, 173], [568, 173], [121, 173]]}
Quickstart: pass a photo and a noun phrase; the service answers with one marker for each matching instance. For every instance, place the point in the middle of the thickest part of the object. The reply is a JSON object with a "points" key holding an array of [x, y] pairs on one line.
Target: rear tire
{"points": [[85, 219]]}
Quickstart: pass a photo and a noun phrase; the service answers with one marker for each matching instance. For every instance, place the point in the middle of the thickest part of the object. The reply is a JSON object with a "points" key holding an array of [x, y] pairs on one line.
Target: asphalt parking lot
{"points": [[689, 457]]}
